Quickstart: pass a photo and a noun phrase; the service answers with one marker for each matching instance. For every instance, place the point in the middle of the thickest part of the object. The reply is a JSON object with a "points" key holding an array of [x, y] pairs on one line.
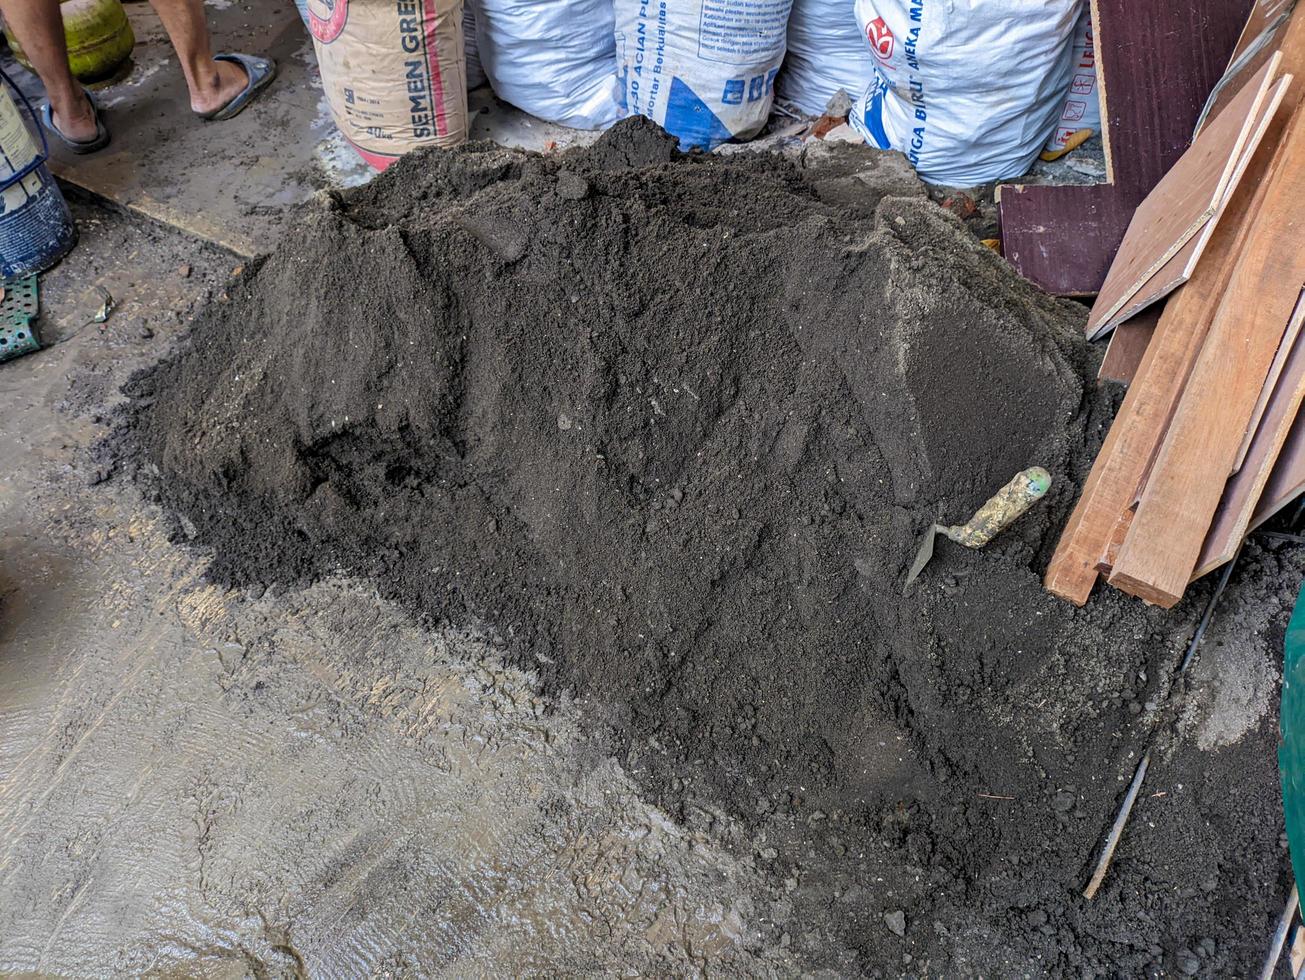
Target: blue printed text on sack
{"points": [[640, 55], [916, 82]]}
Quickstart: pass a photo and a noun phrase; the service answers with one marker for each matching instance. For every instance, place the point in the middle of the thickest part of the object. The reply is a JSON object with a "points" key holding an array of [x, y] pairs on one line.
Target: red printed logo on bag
{"points": [[326, 18], [881, 38], [1073, 111]]}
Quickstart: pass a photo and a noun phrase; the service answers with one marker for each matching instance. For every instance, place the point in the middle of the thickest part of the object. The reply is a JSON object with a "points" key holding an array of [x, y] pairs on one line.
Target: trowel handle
{"points": [[1024, 490]]}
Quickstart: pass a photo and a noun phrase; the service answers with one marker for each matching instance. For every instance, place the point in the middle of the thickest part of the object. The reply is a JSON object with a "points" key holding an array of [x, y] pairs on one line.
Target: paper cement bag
{"points": [[394, 73]]}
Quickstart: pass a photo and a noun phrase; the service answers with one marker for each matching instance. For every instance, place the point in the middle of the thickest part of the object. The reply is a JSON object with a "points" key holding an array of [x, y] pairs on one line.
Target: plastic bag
{"points": [[475, 74], [826, 52], [969, 90], [703, 69], [1081, 109], [554, 59]]}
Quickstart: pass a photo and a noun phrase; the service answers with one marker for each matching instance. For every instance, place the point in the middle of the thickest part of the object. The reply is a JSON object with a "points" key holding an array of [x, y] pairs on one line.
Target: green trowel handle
{"points": [[1001, 510]]}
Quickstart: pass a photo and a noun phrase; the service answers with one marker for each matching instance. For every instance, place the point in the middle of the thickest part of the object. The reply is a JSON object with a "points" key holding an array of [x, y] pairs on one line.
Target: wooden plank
{"points": [[1267, 437], [1112, 484], [1279, 122], [1271, 382], [1128, 342], [1287, 481], [1185, 199], [1176, 264], [1115, 542], [1157, 62], [1139, 427], [1187, 481]]}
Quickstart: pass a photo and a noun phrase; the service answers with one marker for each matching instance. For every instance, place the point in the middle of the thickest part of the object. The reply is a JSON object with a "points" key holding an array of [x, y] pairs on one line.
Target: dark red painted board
{"points": [[1159, 60]]}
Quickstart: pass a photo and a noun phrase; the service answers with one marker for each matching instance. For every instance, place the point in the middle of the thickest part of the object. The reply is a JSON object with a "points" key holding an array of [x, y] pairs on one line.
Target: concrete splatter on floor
{"points": [[308, 780]]}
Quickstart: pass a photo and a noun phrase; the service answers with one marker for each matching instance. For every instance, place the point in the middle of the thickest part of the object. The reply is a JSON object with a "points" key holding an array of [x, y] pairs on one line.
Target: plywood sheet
{"points": [[1179, 269], [1171, 228], [1260, 37], [1264, 16], [1185, 199]]}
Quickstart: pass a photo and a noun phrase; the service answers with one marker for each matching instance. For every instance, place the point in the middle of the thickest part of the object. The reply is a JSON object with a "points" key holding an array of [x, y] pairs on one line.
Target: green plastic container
{"points": [[1291, 747]]}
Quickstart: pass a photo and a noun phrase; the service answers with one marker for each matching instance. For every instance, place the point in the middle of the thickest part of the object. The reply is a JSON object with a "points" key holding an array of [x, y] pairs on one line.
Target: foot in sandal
{"points": [[237, 80], [80, 129]]}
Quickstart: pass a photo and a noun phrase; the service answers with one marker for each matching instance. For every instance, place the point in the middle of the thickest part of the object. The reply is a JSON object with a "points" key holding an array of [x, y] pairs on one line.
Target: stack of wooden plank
{"points": [[1205, 445]]}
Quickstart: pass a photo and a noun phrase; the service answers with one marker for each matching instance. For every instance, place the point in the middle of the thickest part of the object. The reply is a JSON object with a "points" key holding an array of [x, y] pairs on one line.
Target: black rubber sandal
{"points": [[99, 142]]}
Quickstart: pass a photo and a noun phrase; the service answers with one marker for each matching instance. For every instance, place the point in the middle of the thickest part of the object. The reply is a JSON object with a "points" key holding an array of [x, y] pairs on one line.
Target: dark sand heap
{"points": [[671, 427]]}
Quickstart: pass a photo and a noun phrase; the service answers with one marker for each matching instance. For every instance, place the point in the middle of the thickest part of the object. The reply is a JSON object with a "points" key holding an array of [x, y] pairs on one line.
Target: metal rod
{"points": [[1209, 610], [1117, 829], [1280, 536], [1280, 935], [1125, 808]]}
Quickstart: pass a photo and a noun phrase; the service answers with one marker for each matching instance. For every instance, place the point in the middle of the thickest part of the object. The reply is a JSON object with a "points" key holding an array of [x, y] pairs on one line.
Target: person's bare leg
{"points": [[38, 27], [212, 83]]}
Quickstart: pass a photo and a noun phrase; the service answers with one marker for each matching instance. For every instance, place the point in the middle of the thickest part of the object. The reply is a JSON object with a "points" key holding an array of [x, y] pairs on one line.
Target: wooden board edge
{"points": [[1127, 345], [1103, 97], [1209, 560], [1285, 349], [1167, 279], [1113, 317]]}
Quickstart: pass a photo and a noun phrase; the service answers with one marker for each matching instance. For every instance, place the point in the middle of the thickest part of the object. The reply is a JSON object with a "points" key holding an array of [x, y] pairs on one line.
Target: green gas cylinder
{"points": [[99, 38]]}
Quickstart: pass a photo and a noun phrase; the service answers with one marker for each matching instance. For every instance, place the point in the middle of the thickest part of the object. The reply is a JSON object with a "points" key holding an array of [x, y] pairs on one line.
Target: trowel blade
{"points": [[922, 558]]}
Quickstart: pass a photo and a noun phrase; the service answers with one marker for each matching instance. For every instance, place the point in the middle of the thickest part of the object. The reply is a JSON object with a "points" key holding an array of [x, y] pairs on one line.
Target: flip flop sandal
{"points": [[261, 71], [98, 142]]}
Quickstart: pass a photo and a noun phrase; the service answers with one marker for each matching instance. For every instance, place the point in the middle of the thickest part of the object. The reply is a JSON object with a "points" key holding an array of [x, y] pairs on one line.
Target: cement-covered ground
{"points": [[216, 784]]}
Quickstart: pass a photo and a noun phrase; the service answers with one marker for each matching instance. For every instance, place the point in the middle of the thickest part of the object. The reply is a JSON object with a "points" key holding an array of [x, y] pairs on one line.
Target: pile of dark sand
{"points": [[671, 428]]}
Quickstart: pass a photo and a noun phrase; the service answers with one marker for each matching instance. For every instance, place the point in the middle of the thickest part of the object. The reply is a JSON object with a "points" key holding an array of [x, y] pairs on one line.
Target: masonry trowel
{"points": [[1003, 507]]}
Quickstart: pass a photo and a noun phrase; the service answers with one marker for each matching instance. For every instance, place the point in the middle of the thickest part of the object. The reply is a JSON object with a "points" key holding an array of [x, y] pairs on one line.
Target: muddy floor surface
{"points": [[668, 430]]}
